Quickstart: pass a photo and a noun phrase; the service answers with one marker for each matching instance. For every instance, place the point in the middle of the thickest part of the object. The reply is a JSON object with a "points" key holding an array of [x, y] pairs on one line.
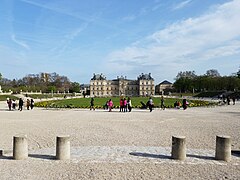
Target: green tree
{"points": [[75, 87], [212, 73]]}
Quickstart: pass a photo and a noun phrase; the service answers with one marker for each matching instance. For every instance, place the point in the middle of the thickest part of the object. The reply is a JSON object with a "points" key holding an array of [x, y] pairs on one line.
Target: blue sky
{"points": [[77, 38]]}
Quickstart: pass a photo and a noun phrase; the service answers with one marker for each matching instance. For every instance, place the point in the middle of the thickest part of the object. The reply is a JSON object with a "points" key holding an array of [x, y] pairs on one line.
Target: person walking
{"points": [[162, 103], [20, 104], [32, 103], [92, 104]]}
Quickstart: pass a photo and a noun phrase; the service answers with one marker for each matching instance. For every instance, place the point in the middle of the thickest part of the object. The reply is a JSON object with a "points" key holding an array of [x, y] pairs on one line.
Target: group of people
{"points": [[12, 104], [125, 105]]}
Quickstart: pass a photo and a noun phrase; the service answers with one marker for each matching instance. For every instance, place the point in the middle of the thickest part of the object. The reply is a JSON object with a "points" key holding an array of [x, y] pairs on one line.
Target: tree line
{"points": [[46, 82], [188, 81]]}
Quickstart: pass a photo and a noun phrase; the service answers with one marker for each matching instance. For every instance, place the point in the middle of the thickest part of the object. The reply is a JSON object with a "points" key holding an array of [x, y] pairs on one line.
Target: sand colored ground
{"points": [[116, 145]]}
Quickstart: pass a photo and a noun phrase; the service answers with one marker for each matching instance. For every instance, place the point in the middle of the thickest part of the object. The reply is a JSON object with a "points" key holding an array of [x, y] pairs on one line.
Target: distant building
{"points": [[163, 87], [85, 89], [100, 86]]}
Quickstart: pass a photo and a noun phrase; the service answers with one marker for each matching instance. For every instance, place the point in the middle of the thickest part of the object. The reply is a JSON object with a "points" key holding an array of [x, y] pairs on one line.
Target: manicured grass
{"points": [[100, 102], [4, 97]]}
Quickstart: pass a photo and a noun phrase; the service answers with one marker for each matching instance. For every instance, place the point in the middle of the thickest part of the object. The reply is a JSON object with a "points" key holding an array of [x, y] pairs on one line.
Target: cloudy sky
{"points": [[77, 38]]}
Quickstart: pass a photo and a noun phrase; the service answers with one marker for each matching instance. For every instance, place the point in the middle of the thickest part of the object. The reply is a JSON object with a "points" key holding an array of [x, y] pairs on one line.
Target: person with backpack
{"points": [[150, 104]]}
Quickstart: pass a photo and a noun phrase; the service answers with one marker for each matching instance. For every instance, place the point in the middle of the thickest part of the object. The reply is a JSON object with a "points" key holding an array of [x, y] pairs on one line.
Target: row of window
{"points": [[114, 93], [106, 83]]}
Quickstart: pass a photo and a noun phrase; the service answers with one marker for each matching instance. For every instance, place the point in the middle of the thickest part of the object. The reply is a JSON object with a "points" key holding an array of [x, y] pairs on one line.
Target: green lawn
{"points": [[4, 97], [100, 102]]}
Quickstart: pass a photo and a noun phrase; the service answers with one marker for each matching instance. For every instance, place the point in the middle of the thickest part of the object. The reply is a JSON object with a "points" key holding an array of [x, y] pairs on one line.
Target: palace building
{"points": [[101, 87]]}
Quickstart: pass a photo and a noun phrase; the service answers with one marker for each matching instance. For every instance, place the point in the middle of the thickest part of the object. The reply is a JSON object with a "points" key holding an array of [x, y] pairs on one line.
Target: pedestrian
{"points": [[121, 103], [125, 104], [92, 104], [9, 102], [20, 104], [13, 104], [233, 99], [110, 105], [150, 104], [32, 103], [228, 100], [28, 104], [162, 103], [106, 105], [129, 104], [184, 104]]}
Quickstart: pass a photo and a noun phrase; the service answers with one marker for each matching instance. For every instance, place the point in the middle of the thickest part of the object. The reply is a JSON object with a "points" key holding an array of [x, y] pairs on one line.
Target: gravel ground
{"points": [[114, 145]]}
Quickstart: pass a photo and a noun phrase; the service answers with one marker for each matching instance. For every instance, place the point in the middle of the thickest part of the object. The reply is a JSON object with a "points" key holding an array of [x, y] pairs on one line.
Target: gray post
{"points": [[178, 147], [20, 147], [63, 148], [223, 148]]}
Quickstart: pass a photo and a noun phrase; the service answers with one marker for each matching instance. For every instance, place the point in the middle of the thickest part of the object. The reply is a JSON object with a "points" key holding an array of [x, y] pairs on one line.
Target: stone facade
{"points": [[101, 87], [163, 86]]}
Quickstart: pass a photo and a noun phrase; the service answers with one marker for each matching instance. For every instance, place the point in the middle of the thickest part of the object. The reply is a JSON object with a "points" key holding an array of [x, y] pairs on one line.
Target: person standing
{"points": [[150, 104], [233, 99], [20, 104], [28, 104], [162, 103], [228, 100], [184, 104], [121, 105], [32, 103], [14, 104], [9, 102], [129, 104], [125, 104], [92, 104], [110, 105]]}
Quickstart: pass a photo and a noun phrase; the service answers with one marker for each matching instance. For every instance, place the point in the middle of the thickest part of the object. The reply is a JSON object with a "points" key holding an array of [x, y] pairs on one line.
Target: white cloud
{"points": [[184, 43], [181, 5], [21, 43]]}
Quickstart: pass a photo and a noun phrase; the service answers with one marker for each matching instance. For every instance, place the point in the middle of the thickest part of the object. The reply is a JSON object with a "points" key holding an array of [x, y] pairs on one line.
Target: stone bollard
{"points": [[179, 147], [20, 147], [223, 148], [63, 148]]}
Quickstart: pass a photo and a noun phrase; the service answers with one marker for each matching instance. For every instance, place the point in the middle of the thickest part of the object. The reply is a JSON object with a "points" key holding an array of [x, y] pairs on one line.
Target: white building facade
{"points": [[101, 87]]}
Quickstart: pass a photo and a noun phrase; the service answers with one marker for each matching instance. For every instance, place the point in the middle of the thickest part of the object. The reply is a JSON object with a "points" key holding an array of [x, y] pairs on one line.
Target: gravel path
{"points": [[116, 145]]}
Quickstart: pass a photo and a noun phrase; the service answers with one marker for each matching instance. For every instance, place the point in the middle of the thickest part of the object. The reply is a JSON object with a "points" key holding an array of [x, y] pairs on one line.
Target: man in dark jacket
{"points": [[20, 104]]}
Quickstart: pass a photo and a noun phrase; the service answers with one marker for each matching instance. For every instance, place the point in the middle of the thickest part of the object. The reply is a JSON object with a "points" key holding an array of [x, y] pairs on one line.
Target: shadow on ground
{"points": [[159, 156], [42, 156]]}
